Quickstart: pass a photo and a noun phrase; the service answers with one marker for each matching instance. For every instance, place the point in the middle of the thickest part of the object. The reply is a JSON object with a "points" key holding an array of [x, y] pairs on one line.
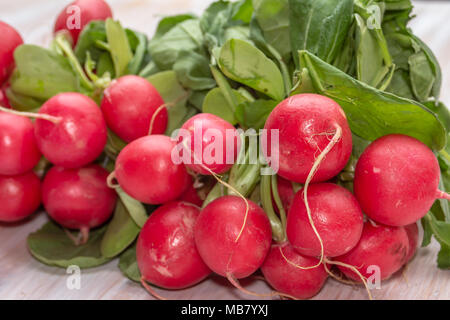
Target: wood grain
{"points": [[22, 277]]}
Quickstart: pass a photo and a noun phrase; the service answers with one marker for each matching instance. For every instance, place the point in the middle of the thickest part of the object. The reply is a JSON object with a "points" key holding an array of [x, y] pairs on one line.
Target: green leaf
{"points": [[170, 90], [128, 264], [87, 42], [320, 26], [121, 232], [41, 73], [372, 113], [255, 113], [193, 71], [135, 208], [244, 63], [216, 103], [443, 260], [167, 23], [119, 47], [23, 103], [139, 43], [53, 247]]}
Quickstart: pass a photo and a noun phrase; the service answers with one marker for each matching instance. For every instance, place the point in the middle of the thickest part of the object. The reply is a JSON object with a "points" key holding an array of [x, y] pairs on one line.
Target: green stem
{"points": [[445, 155], [278, 233], [279, 203]]}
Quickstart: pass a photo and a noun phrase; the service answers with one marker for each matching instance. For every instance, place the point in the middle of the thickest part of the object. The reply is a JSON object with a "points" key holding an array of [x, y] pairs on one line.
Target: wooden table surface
{"points": [[22, 277]]}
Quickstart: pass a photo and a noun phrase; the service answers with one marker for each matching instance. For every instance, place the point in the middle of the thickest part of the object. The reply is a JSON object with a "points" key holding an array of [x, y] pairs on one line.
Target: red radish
{"points": [[20, 196], [145, 170], [129, 105], [281, 272], [380, 247], [212, 144], [166, 252], [11, 39], [337, 217], [309, 124], [78, 198], [18, 148], [413, 235], [78, 134], [4, 102], [191, 196], [286, 193], [396, 180], [231, 243], [79, 13]]}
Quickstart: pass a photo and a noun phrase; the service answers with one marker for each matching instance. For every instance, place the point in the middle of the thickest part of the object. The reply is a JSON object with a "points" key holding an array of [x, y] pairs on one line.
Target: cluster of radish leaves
{"points": [[238, 60]]}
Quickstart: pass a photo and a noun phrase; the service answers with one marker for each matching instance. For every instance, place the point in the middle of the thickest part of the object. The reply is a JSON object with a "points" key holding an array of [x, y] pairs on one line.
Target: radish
{"points": [[308, 124], [166, 252], [78, 198], [382, 247], [79, 13], [145, 170], [412, 231], [232, 238], [287, 278], [286, 193], [191, 196], [70, 130], [20, 196], [11, 39], [18, 147], [129, 105], [396, 180], [211, 143], [4, 102], [336, 216]]}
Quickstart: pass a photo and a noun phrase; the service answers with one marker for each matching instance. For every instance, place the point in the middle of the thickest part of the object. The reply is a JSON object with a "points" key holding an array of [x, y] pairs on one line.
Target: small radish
{"points": [[79, 13], [11, 39], [20, 196], [309, 124], [381, 249], [337, 217], [129, 105], [396, 180], [232, 240], [145, 170], [287, 278], [166, 252], [413, 235], [78, 198], [211, 143], [18, 147], [70, 130]]}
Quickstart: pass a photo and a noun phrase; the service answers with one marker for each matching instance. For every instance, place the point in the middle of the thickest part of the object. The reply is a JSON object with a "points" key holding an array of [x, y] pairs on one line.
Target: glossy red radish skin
{"points": [[307, 123], [80, 135], [396, 180], [280, 269], [145, 170], [18, 147], [166, 253], [20, 196], [412, 231], [381, 247], [191, 196], [217, 230], [211, 142], [4, 102], [129, 104], [336, 215], [78, 198], [83, 12], [11, 39]]}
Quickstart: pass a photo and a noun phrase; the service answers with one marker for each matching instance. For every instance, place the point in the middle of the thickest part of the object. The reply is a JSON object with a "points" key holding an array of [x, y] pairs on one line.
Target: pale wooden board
{"points": [[22, 277]]}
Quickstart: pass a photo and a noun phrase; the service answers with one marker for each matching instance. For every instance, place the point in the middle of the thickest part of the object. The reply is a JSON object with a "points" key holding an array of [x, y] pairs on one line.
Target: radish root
{"points": [[33, 115], [82, 237], [150, 290], [110, 181]]}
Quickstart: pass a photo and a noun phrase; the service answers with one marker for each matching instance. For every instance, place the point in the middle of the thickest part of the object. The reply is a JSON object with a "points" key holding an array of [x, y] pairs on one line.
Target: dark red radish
{"points": [[191, 196], [166, 253], [337, 217], [4, 102], [77, 134], [308, 125], [78, 198], [129, 104], [211, 144], [281, 271], [396, 180], [11, 39], [286, 192], [413, 235], [381, 248], [145, 170], [233, 242], [20, 196], [18, 147], [79, 13]]}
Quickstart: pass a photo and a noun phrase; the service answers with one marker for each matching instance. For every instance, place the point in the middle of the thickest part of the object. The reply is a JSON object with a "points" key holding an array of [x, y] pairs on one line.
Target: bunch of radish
{"points": [[206, 214]]}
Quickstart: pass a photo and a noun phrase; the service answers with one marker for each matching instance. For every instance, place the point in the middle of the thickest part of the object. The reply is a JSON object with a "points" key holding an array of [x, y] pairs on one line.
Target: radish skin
{"points": [[11, 39]]}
